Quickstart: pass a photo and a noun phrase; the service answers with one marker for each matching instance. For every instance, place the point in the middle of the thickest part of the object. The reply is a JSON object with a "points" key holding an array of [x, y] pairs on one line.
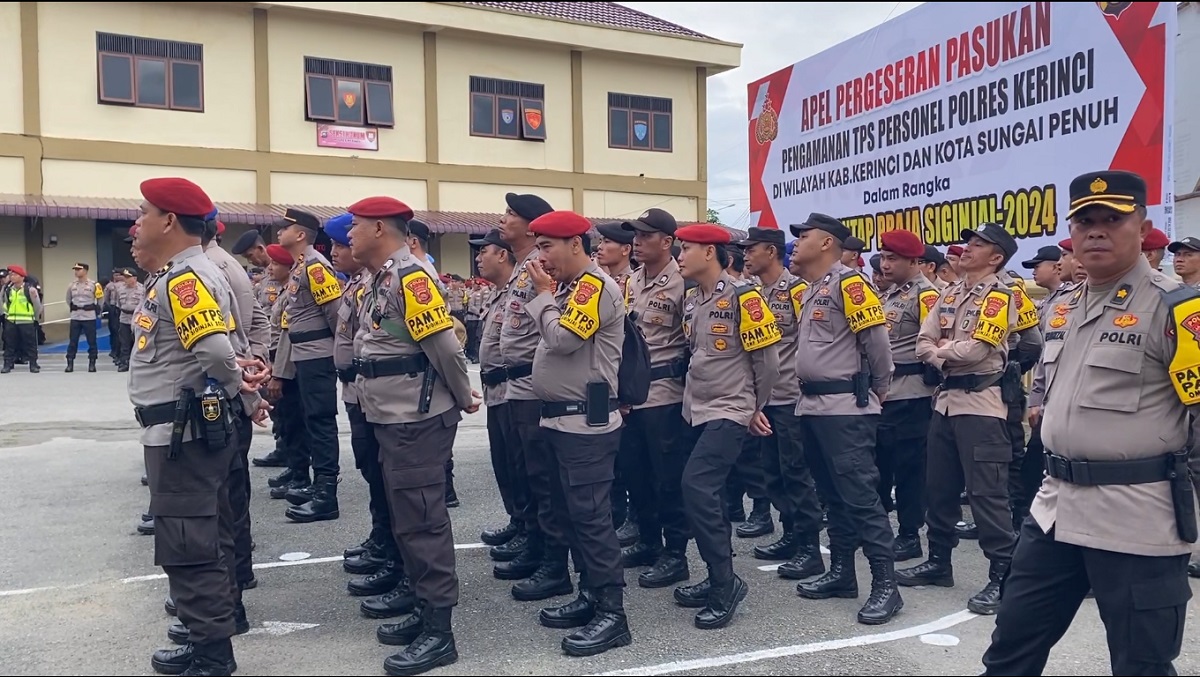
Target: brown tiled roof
{"points": [[609, 14]]}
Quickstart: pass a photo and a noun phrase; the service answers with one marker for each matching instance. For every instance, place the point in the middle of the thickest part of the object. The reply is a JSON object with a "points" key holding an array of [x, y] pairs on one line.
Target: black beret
{"points": [[823, 222], [768, 235], [528, 207], [615, 232], [246, 241], [419, 230]]}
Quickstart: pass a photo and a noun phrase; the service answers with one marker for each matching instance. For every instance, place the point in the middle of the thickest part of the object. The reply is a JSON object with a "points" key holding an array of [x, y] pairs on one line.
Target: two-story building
{"points": [[445, 105]]}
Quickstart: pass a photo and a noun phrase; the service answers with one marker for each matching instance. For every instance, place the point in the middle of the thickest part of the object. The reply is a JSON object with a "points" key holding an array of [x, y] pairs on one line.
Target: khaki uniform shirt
{"points": [[784, 298], [110, 295], [622, 278], [310, 295], [82, 293], [658, 302], [1051, 313], [841, 322], [347, 329], [582, 330], [490, 356], [1110, 396], [180, 337], [268, 293], [128, 299], [518, 337], [734, 341], [976, 321], [249, 318], [905, 306], [404, 312]]}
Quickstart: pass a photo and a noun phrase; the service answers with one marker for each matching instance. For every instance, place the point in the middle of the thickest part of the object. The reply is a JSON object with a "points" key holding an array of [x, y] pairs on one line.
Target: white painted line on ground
{"points": [[795, 650], [277, 628], [940, 640], [30, 591]]}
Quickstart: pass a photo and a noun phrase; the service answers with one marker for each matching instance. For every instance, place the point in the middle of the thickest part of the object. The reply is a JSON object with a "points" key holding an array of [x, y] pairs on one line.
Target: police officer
{"points": [[284, 392], [1116, 512], [181, 340], [877, 277], [966, 337], [267, 291], [22, 305], [1186, 260], [733, 341], [129, 297], [311, 317], [614, 254], [412, 384], [84, 296], [580, 316], [653, 451], [113, 311], [1154, 247], [930, 263], [852, 250], [252, 247], [496, 263], [845, 370], [788, 479], [904, 426]]}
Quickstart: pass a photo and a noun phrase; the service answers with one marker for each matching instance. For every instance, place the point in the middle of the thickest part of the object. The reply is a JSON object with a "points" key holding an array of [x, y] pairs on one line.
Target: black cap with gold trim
{"points": [[1120, 191]]}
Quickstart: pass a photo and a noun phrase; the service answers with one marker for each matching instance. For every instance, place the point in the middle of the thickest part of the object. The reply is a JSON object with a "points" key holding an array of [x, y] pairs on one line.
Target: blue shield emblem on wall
{"points": [[639, 130], [507, 115]]}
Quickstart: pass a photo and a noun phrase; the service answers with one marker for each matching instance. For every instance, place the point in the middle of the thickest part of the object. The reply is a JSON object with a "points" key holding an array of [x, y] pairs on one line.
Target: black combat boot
{"points": [[504, 534], [301, 494], [324, 505], [275, 459], [608, 628], [574, 614], [284, 478], [123, 367], [510, 550], [986, 602], [936, 570], [404, 632], [8, 367], [807, 562], [723, 600], [382, 581], [364, 547], [70, 365], [550, 580], [524, 562], [300, 486], [451, 495], [366, 563], [92, 365], [33, 367], [399, 601], [213, 659], [694, 596], [968, 531], [759, 523], [629, 532], [146, 526], [784, 549], [178, 633], [433, 648], [840, 581], [671, 568], [639, 555], [1194, 569], [907, 547], [884, 602], [169, 606]]}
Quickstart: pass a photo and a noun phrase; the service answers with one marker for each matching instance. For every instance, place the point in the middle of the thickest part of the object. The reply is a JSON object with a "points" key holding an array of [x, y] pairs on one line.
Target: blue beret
{"points": [[789, 247], [338, 229], [212, 216]]}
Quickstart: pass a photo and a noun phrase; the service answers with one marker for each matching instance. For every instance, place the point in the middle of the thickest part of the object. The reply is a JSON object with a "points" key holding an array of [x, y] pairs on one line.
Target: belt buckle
{"points": [[1063, 467], [366, 368]]}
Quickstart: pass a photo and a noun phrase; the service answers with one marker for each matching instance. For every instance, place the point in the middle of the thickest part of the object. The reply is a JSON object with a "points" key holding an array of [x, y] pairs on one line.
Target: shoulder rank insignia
{"points": [[1121, 296]]}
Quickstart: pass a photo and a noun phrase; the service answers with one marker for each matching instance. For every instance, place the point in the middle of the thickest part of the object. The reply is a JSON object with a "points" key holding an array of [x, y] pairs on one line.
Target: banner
{"points": [[956, 114]]}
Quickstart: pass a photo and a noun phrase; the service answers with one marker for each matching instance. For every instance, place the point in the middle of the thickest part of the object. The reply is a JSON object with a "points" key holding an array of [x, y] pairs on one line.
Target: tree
{"points": [[713, 216]]}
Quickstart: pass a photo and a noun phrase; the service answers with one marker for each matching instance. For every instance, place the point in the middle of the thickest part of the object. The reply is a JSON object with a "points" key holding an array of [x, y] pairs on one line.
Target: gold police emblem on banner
{"points": [[1113, 9], [766, 128]]}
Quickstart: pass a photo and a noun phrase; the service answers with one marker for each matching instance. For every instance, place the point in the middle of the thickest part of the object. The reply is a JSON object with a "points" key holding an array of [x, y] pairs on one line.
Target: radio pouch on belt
{"points": [[1183, 497], [183, 409], [1011, 391], [862, 384], [597, 404], [213, 423]]}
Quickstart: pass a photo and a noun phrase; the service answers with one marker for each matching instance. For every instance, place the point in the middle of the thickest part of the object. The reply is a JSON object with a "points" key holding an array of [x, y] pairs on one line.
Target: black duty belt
{"points": [[498, 375], [909, 369], [557, 409], [309, 336], [347, 375], [672, 369], [1099, 473], [155, 414], [409, 365], [971, 381], [827, 387]]}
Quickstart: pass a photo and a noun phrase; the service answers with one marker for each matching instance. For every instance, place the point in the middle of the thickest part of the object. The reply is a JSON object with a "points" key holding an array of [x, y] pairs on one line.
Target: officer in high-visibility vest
{"points": [[22, 306]]}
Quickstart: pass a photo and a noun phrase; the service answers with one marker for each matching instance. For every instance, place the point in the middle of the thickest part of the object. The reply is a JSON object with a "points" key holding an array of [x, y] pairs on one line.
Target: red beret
{"points": [[381, 208], [1066, 246], [1155, 239], [280, 255], [18, 270], [954, 250], [220, 228], [562, 224], [177, 196], [903, 243], [703, 233]]}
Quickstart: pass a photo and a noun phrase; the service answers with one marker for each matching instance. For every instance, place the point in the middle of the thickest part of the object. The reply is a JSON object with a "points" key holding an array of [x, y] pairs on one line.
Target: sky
{"points": [[774, 35]]}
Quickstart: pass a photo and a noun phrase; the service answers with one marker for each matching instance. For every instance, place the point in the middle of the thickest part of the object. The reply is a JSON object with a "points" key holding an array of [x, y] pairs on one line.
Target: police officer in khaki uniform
{"points": [[653, 450], [614, 254], [1116, 512], [580, 317], [966, 337], [1185, 260], [84, 296], [284, 392], [129, 297], [904, 427], [788, 479], [930, 263], [311, 318], [412, 385], [733, 341], [845, 370], [182, 339]]}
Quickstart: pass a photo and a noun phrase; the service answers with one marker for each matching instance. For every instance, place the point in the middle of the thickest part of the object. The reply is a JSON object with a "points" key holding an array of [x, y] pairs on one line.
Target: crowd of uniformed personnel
{"points": [[639, 383]]}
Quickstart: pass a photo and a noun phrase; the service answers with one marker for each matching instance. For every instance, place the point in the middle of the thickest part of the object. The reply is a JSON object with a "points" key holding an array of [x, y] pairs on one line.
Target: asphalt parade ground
{"points": [[79, 592]]}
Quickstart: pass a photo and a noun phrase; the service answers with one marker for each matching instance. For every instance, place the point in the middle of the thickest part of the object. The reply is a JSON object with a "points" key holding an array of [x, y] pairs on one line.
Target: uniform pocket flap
{"points": [[1052, 351], [184, 505], [595, 473], [1162, 593], [992, 453], [1118, 359], [415, 478]]}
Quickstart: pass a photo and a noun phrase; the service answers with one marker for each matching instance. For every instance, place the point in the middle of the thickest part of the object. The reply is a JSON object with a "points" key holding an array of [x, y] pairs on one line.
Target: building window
{"points": [[348, 93], [507, 109], [149, 73], [639, 122]]}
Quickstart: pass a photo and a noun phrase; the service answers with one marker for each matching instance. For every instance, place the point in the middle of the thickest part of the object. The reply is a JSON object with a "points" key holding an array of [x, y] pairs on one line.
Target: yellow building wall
{"points": [[11, 114], [12, 245], [292, 36], [111, 179], [316, 189], [608, 204], [12, 175], [453, 254], [603, 74], [489, 198], [459, 58], [67, 37], [76, 242]]}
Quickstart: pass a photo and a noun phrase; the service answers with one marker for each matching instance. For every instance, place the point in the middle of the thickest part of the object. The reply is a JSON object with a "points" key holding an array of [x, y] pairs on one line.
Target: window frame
{"points": [[367, 82], [496, 110], [171, 85], [133, 59], [100, 95], [366, 121], [651, 114]]}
